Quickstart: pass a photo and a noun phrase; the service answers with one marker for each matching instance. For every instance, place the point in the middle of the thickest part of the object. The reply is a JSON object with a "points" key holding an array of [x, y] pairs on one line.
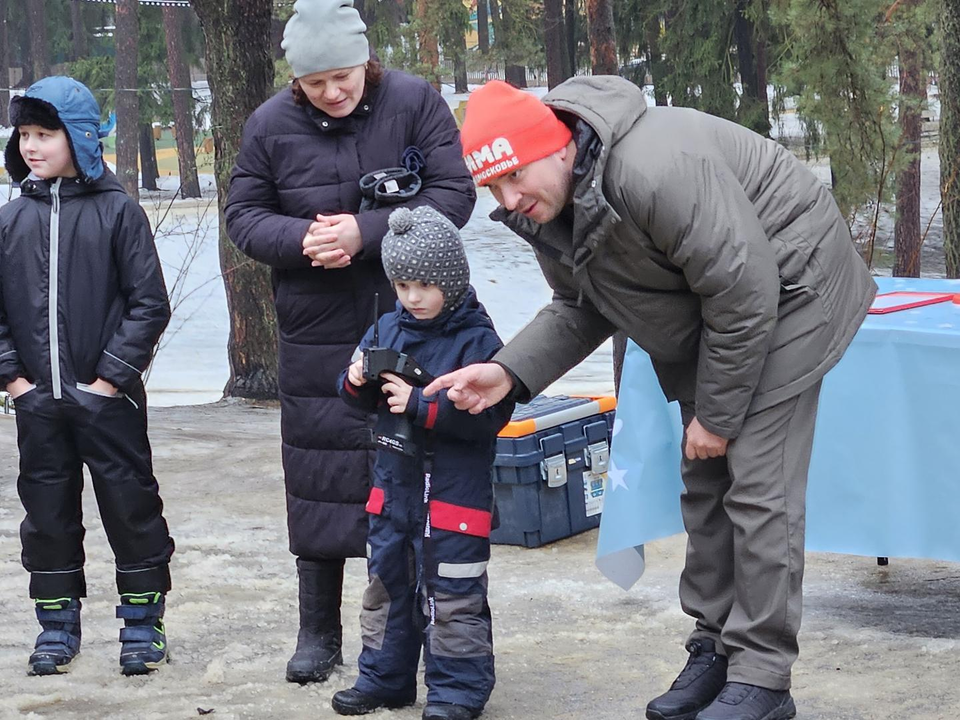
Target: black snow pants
{"points": [[109, 436]]}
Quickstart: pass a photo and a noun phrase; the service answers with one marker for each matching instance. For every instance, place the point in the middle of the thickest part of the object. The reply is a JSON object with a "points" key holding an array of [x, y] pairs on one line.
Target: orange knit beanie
{"points": [[506, 128]]}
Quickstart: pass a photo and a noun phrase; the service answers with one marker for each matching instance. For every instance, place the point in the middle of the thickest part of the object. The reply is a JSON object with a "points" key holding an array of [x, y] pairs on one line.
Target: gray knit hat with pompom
{"points": [[423, 245]]}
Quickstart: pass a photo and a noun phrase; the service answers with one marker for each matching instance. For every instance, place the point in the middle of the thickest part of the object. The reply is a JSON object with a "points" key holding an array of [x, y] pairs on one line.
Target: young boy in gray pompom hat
{"points": [[430, 510]]}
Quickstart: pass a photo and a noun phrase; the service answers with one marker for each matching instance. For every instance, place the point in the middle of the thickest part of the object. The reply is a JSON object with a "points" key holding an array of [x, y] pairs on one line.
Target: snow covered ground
{"points": [[570, 645]]}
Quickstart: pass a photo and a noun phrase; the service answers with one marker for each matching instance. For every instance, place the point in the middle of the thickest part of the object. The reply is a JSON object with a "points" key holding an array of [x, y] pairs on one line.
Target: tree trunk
{"points": [[658, 70], [950, 132], [603, 41], [460, 65], [276, 34], [514, 74], [4, 66], [907, 226], [149, 172], [240, 71], [127, 100], [497, 21], [428, 44], [37, 20], [570, 21], [753, 112], [554, 39], [483, 27], [179, 75], [78, 35], [762, 33]]}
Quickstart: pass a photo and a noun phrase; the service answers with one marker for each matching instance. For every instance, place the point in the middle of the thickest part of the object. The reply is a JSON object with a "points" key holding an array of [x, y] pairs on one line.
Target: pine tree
{"points": [[603, 45], [483, 27], [78, 31], [427, 41], [950, 131], [558, 63], [127, 101], [39, 62], [752, 111], [837, 65], [700, 70], [909, 32], [182, 97], [454, 21], [240, 71]]}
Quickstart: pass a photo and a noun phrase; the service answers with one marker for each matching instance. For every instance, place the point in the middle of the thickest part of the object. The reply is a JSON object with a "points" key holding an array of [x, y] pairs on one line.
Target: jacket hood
{"points": [[78, 111], [608, 104]]}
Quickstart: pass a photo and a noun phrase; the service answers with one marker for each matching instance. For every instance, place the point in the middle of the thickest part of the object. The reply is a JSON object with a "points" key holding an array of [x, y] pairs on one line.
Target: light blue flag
{"points": [[883, 477], [642, 499]]}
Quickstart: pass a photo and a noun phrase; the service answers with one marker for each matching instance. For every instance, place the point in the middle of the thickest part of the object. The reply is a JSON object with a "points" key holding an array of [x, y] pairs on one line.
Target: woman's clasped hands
{"points": [[332, 241]]}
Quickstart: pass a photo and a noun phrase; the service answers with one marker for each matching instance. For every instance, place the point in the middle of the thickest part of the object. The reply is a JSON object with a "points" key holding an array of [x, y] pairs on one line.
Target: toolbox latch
{"points": [[598, 456], [554, 470], [553, 467]]}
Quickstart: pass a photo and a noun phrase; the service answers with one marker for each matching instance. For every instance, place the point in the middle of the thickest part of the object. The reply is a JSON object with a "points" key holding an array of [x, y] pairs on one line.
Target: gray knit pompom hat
{"points": [[324, 35], [423, 245]]}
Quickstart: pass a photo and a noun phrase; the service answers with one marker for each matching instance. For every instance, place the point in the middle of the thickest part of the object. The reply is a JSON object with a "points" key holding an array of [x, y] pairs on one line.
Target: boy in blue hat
{"points": [[82, 305]]}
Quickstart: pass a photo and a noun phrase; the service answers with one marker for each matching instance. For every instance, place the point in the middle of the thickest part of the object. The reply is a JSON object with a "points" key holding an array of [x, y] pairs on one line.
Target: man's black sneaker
{"points": [[354, 702], [697, 685], [739, 701], [445, 711]]}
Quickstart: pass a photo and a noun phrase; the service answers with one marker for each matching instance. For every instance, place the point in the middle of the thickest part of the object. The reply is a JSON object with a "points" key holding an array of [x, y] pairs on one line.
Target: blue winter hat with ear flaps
{"points": [[70, 102]]}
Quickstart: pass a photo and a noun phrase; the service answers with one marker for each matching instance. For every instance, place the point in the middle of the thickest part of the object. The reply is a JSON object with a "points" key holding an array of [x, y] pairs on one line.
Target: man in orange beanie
{"points": [[724, 258]]}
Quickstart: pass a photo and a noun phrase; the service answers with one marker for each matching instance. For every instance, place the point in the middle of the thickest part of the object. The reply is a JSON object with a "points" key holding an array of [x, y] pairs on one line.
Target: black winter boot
{"points": [[59, 642], [739, 701], [320, 636], [700, 681], [445, 711], [354, 702]]}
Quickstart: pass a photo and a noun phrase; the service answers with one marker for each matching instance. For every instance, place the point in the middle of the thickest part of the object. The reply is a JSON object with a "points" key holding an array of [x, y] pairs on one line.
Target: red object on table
{"points": [[909, 300]]}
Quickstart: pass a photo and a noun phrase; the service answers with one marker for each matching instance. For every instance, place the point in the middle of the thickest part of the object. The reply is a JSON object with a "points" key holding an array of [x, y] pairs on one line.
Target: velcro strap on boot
{"points": [[138, 633], [153, 611], [58, 637], [65, 616]]}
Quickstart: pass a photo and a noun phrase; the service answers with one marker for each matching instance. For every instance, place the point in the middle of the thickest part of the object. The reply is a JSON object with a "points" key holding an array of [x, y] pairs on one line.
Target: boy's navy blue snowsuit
{"points": [[407, 572], [82, 296]]}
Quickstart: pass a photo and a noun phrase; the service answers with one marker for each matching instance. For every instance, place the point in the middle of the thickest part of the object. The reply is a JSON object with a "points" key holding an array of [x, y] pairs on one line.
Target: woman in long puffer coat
{"points": [[295, 205]]}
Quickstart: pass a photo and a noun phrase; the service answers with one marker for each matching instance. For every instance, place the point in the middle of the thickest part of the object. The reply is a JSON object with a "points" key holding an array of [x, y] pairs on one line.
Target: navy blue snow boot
{"points": [[59, 642], [143, 638]]}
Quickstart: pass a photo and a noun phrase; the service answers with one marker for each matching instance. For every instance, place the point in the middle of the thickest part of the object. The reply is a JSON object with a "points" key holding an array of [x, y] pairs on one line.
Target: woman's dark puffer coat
{"points": [[294, 163]]}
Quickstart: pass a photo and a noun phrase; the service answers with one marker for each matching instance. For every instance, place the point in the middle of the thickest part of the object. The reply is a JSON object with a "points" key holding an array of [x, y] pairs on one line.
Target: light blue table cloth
{"points": [[885, 471]]}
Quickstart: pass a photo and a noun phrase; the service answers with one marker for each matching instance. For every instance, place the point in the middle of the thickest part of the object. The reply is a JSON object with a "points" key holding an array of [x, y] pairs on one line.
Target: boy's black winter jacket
{"points": [[463, 445], [79, 273]]}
